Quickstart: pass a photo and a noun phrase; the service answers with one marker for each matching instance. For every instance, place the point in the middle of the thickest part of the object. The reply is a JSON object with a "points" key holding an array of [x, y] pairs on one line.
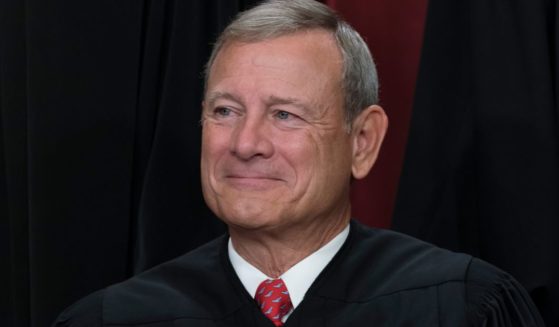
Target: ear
{"points": [[367, 132]]}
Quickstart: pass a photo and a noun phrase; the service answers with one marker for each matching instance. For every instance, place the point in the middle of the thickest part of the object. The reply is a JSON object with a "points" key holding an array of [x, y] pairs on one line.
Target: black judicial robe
{"points": [[378, 278]]}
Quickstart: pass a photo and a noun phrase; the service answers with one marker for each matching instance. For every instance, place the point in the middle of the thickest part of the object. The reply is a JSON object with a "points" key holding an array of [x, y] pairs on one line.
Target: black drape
{"points": [[99, 144], [481, 167]]}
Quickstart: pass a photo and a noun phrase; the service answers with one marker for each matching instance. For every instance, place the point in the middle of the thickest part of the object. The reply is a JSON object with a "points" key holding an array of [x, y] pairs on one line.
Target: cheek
{"points": [[214, 145], [215, 139], [302, 152], [333, 161]]}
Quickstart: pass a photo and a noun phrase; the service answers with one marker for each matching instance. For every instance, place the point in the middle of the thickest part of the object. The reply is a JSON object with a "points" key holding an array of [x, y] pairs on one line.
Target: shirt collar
{"points": [[298, 278]]}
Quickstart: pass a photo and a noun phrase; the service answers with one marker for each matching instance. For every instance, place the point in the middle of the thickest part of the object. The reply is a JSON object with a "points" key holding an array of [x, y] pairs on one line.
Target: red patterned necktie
{"points": [[274, 301]]}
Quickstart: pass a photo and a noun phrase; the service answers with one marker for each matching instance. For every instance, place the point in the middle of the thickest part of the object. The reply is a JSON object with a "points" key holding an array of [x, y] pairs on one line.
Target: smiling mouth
{"points": [[252, 182]]}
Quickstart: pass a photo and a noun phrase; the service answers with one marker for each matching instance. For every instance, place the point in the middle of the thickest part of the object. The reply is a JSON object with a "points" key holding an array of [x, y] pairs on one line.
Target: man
{"points": [[289, 117]]}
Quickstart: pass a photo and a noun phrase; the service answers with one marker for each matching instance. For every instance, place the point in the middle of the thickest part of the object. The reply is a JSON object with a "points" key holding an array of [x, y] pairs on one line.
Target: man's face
{"points": [[275, 150]]}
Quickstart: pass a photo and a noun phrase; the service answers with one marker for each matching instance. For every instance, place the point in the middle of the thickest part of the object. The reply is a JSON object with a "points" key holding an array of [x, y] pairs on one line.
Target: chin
{"points": [[246, 219], [249, 218]]}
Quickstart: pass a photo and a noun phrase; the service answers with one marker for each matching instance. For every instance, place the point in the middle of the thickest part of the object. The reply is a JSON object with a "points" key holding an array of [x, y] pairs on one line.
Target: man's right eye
{"points": [[222, 111]]}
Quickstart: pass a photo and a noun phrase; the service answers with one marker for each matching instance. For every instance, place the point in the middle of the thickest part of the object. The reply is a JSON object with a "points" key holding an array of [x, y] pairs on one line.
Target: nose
{"points": [[252, 139]]}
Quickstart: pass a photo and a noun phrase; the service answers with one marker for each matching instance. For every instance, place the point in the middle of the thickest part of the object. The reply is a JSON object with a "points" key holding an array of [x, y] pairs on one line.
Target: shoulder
{"points": [[380, 265], [386, 262], [172, 290], [495, 298]]}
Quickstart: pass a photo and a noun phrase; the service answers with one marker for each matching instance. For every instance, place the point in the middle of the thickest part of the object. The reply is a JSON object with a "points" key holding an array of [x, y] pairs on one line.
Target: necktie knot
{"points": [[274, 301]]}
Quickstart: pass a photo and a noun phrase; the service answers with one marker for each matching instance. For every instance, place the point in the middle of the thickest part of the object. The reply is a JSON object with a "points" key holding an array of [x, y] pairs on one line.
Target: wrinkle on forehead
{"points": [[326, 45]]}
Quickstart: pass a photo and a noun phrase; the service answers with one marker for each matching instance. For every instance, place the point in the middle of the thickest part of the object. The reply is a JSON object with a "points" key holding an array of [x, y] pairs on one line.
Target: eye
{"points": [[287, 119], [222, 111], [283, 115]]}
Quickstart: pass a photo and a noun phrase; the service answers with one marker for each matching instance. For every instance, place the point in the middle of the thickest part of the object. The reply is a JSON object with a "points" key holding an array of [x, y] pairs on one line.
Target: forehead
{"points": [[308, 56]]}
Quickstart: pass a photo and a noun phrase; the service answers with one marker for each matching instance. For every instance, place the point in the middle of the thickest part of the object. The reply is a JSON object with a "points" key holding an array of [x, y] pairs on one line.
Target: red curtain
{"points": [[394, 32]]}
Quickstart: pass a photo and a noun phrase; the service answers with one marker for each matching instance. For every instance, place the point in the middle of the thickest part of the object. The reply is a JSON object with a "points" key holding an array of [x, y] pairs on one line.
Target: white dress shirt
{"points": [[298, 278]]}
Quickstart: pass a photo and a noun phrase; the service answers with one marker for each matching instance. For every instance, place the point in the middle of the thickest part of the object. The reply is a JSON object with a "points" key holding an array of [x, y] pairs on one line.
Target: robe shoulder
{"points": [[495, 298], [385, 270], [186, 288]]}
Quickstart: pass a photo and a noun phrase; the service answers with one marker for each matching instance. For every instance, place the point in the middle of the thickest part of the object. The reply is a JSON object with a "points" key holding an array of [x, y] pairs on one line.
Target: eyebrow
{"points": [[275, 100], [214, 96], [308, 110]]}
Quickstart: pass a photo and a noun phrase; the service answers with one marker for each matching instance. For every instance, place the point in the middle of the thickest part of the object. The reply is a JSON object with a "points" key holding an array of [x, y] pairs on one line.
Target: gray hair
{"points": [[275, 18]]}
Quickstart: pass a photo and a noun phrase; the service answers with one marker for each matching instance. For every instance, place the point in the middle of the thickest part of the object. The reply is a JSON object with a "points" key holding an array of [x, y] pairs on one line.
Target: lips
{"points": [[251, 176], [256, 172], [248, 181]]}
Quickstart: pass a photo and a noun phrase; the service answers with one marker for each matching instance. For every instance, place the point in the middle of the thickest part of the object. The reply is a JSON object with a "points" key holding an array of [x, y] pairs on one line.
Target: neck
{"points": [[274, 252]]}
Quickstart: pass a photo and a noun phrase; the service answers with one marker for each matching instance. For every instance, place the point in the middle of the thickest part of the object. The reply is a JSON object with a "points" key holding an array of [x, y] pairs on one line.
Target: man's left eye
{"points": [[283, 115]]}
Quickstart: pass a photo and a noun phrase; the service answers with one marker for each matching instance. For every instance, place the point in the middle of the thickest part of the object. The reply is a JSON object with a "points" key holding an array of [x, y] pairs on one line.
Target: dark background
{"points": [[100, 138]]}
